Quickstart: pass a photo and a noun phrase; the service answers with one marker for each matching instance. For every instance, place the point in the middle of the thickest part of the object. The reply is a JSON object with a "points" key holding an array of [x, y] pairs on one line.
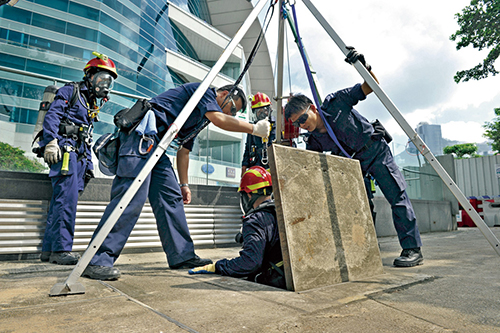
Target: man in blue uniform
{"points": [[357, 137], [256, 148], [67, 130], [260, 259], [165, 194]]}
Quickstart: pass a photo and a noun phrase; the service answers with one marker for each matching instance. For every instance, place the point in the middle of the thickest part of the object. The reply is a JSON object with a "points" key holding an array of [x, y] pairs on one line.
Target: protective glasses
{"points": [[233, 107], [302, 119]]}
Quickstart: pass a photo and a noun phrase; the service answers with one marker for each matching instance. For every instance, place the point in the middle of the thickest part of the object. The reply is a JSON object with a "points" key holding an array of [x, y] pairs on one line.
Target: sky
{"points": [[407, 44]]}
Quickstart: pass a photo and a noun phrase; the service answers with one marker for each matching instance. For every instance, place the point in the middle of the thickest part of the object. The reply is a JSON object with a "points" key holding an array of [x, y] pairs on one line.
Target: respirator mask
{"points": [[102, 83]]}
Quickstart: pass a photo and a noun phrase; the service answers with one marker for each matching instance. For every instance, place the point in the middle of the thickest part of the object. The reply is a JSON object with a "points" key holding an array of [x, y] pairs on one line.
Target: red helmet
{"points": [[254, 179], [101, 62], [260, 100]]}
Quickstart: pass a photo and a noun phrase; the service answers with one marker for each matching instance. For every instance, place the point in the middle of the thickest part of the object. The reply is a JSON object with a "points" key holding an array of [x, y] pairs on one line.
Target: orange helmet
{"points": [[254, 179], [101, 61], [260, 100]]}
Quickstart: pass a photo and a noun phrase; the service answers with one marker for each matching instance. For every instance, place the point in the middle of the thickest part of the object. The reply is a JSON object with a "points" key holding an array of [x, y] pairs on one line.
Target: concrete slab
{"points": [[326, 230]]}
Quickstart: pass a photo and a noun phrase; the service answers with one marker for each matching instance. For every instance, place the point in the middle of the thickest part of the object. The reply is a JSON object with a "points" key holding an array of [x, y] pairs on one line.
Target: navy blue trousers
{"points": [[378, 161], [165, 197], [60, 227]]}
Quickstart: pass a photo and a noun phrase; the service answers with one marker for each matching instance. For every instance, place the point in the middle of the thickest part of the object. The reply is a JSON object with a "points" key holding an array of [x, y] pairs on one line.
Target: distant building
{"points": [[431, 134]]}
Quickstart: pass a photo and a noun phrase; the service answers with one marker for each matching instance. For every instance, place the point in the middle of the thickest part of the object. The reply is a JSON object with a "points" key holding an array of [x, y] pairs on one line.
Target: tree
{"points": [[13, 159], [461, 150], [493, 131], [480, 27]]}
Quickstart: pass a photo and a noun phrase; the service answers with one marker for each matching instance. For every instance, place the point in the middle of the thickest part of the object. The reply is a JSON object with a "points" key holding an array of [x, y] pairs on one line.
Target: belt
{"points": [[365, 147]]}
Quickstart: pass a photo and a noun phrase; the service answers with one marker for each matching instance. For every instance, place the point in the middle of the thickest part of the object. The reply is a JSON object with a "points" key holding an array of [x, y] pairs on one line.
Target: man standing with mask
{"points": [[66, 139], [255, 153]]}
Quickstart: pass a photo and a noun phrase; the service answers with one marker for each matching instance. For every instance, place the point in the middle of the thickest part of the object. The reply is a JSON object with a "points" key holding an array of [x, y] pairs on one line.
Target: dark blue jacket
{"points": [[77, 114], [260, 246], [169, 104], [351, 129]]}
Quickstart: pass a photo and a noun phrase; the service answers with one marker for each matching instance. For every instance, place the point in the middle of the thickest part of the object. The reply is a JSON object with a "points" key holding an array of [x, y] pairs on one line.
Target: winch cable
{"points": [[312, 85]]}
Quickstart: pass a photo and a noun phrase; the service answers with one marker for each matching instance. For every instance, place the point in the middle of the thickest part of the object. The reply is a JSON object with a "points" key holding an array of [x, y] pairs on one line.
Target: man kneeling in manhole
{"points": [[359, 139], [260, 259]]}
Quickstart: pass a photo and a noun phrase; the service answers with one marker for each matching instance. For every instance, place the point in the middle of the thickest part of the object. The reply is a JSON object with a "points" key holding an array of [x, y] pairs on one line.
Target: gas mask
{"points": [[102, 83], [262, 113], [246, 203]]}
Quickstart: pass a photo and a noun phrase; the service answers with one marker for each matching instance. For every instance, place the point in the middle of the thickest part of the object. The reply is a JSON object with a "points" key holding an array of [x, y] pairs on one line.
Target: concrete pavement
{"points": [[456, 290]]}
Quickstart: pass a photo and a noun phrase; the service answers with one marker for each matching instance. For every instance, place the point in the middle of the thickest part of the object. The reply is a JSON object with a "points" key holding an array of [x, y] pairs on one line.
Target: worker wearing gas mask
{"points": [[255, 147], [260, 259], [65, 142]]}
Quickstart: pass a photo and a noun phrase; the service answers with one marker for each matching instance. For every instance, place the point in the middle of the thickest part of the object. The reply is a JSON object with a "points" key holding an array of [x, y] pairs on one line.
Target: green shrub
{"points": [[13, 159]]}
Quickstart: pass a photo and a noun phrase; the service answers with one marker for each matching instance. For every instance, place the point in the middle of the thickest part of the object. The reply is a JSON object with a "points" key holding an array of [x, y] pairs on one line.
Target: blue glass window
{"points": [[25, 116], [176, 78], [33, 91], [84, 11], [81, 32], [48, 23], [183, 44], [14, 37], [46, 44], [56, 4], [11, 61], [72, 74], [15, 14], [11, 88], [73, 51], [43, 68]]}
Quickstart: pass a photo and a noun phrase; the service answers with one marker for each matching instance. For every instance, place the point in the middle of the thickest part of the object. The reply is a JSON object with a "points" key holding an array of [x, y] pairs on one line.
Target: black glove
{"points": [[354, 56]]}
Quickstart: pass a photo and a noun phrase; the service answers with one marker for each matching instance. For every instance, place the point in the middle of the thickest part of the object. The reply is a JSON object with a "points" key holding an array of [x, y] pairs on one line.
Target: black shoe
{"points": [[192, 263], [64, 258], [409, 258], [101, 273], [44, 256]]}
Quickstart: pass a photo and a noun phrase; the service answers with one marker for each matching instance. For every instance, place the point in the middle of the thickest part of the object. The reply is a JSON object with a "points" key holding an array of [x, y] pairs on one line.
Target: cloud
{"points": [[409, 48], [468, 131]]}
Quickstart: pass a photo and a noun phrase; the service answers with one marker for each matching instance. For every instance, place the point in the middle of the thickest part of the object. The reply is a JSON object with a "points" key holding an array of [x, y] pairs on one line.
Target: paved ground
{"points": [[456, 290]]}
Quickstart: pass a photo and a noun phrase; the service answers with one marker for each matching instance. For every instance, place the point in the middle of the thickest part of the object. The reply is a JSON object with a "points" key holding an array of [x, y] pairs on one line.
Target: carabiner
{"points": [[151, 144]]}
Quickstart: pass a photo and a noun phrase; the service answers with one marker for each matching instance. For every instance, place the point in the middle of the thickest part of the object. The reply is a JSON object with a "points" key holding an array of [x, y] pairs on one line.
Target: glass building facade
{"points": [[49, 42]]}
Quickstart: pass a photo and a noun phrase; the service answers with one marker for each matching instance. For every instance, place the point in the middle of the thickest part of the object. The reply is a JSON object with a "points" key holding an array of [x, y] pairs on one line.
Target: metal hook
{"points": [[148, 139]]}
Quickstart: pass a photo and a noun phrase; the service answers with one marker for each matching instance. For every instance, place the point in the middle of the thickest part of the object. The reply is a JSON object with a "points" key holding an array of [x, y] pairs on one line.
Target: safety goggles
{"points": [[233, 107], [302, 119]]}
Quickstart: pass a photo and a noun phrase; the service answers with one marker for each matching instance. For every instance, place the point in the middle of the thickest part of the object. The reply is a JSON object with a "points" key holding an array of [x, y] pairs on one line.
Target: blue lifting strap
{"points": [[313, 89]]}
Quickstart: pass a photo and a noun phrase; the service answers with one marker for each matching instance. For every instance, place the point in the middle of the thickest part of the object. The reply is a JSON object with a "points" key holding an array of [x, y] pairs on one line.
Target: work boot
{"points": [[409, 258], [64, 258], [192, 263], [101, 273], [44, 256]]}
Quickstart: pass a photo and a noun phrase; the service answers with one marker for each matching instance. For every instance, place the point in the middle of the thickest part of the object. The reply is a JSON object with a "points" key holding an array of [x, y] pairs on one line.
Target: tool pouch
{"points": [[380, 131], [106, 150], [128, 119]]}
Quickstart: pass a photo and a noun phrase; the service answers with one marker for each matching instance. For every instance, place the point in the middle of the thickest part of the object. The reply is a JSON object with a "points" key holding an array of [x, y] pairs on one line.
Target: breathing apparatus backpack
{"points": [[48, 97]]}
